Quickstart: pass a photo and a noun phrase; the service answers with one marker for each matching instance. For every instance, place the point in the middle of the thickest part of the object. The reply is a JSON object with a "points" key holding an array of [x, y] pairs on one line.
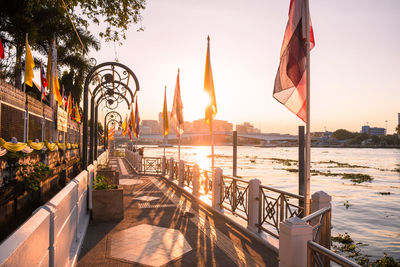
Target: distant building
{"points": [[398, 118], [171, 124], [246, 127], [152, 125], [187, 126], [218, 125], [371, 131]]}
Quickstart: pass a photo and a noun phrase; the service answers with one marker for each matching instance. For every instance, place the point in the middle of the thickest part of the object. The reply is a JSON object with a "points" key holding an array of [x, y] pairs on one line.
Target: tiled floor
{"points": [[149, 244], [163, 227]]}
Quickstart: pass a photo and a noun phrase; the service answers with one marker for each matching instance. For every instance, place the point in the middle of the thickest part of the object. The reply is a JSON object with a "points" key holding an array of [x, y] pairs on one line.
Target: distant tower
{"points": [[398, 118]]}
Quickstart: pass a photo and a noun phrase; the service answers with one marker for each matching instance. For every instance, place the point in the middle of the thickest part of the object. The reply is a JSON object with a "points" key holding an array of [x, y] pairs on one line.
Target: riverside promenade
{"points": [[165, 226]]}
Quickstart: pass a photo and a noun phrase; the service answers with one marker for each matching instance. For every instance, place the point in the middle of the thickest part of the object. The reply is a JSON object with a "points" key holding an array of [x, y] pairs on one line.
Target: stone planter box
{"points": [[110, 173], [108, 204]]}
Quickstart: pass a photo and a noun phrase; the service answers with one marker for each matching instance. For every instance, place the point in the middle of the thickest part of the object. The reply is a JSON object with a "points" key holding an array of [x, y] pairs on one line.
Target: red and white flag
{"points": [[43, 81], [290, 82], [177, 109]]}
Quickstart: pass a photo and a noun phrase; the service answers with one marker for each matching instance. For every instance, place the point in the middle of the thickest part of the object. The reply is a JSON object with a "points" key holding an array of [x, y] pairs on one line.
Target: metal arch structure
{"points": [[112, 116], [106, 132], [112, 81], [94, 108]]}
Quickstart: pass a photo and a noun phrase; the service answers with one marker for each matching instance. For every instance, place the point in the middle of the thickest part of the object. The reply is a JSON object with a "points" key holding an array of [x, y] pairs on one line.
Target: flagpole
{"points": [[26, 98], [179, 148], [164, 146], [308, 133], [212, 148]]}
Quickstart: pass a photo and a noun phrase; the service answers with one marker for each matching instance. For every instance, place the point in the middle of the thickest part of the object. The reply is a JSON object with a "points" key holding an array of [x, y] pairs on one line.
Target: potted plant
{"points": [[107, 199]]}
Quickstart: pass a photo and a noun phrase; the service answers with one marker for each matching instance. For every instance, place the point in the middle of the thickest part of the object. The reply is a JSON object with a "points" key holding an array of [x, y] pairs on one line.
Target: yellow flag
{"points": [[165, 115], [77, 115], [124, 127], [29, 65], [69, 106], [211, 109]]}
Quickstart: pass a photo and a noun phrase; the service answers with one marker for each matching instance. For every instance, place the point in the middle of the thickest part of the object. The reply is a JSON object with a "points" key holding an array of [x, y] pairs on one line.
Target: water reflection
{"points": [[201, 157], [369, 212]]}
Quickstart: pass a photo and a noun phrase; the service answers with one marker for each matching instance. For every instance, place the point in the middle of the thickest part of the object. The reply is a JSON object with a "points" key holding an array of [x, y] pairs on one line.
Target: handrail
{"points": [[283, 192], [151, 164], [276, 208], [316, 214], [235, 196], [320, 220], [313, 257]]}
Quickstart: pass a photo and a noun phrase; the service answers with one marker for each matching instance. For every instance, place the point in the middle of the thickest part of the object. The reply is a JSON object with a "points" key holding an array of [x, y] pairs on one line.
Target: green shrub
{"points": [[32, 174], [103, 183]]}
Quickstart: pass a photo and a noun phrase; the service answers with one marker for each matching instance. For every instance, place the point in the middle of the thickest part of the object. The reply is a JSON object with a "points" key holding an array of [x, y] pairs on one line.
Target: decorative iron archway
{"points": [[112, 115], [112, 83]]}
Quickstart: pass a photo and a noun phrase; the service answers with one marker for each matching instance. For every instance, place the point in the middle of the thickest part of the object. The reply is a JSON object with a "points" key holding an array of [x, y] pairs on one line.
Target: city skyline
{"points": [[353, 75]]}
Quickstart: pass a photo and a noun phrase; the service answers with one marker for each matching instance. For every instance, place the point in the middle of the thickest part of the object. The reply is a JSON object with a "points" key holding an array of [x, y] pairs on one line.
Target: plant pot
{"points": [[110, 173], [108, 204]]}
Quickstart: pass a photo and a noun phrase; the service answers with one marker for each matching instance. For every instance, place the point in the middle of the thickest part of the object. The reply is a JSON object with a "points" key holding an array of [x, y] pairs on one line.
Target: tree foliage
{"points": [[46, 20], [342, 134]]}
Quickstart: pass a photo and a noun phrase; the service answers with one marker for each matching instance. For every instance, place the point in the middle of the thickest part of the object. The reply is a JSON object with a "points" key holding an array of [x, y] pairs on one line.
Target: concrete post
{"points": [[163, 165], [253, 205], [171, 169], [217, 189], [196, 180], [293, 236], [181, 172], [320, 200], [139, 166]]}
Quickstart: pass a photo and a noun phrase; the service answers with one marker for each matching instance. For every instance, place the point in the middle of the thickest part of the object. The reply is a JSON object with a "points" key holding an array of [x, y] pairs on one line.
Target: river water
{"points": [[372, 215]]}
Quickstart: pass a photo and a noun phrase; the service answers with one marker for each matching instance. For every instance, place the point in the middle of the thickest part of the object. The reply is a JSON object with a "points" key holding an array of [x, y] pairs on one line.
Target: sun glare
{"points": [[201, 158]]}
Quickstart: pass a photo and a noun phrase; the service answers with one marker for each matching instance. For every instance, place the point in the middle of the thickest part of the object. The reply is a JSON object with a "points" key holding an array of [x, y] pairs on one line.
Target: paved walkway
{"points": [[164, 227]]}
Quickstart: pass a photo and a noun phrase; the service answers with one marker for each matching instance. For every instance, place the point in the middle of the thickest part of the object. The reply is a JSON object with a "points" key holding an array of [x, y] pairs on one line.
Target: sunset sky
{"points": [[354, 65]]}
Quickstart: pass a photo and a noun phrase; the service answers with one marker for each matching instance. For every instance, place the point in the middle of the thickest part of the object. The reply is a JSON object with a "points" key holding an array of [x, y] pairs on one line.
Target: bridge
{"points": [[259, 136]]}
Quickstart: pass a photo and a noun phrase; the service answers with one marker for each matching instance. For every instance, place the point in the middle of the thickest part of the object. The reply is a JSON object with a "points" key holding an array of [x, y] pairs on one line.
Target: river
{"points": [[371, 214]]}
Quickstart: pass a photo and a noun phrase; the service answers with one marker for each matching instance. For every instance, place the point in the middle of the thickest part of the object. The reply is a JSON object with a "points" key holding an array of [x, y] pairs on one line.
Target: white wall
{"points": [[55, 232]]}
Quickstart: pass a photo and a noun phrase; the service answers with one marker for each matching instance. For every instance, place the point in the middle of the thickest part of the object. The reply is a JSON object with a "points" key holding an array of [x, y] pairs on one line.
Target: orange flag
{"points": [[177, 109], [211, 109]]}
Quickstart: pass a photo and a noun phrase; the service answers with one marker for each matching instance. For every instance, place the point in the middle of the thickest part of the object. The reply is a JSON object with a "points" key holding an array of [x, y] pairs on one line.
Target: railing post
{"points": [[206, 182], [293, 236], [321, 200], [171, 169], [140, 164], [196, 180], [253, 205], [163, 165], [181, 173], [217, 189]]}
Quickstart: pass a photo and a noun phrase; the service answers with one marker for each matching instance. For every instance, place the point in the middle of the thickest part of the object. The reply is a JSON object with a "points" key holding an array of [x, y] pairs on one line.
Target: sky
{"points": [[354, 65]]}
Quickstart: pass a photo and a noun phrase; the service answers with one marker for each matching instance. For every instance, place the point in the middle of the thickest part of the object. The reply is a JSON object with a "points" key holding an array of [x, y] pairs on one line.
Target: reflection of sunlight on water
{"points": [[200, 157]]}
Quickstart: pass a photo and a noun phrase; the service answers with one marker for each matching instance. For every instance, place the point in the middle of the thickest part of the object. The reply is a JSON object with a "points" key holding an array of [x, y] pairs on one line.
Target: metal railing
{"points": [[276, 206], [234, 196], [188, 175], [320, 220], [205, 181], [320, 256], [175, 174], [167, 167], [151, 165]]}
